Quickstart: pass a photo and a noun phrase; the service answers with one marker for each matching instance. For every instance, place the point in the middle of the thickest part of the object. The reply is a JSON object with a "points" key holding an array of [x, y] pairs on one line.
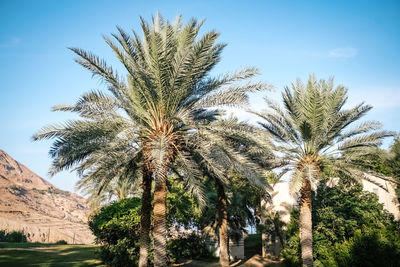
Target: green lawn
{"points": [[35, 254]]}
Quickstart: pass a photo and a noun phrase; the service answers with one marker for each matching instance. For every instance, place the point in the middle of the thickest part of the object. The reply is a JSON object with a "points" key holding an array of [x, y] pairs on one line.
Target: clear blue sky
{"points": [[357, 42]]}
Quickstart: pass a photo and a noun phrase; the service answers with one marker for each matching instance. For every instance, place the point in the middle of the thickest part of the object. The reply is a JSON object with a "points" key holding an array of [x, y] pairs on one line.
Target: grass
{"points": [[37, 254]]}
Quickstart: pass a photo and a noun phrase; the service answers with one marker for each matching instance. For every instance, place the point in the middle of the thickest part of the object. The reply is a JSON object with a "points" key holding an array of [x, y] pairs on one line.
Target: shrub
{"points": [[12, 237], [253, 244], [350, 228], [61, 242], [2, 236], [370, 247], [57, 191], [40, 191], [116, 227], [187, 247]]}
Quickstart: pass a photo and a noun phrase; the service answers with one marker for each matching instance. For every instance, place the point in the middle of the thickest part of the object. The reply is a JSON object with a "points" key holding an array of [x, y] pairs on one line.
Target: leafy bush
{"points": [[61, 242], [370, 247], [181, 206], [16, 237], [116, 227], [189, 247], [2, 236], [350, 228], [252, 245], [12, 237]]}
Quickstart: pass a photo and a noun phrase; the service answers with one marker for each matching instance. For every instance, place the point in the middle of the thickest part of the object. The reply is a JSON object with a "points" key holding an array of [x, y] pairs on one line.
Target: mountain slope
{"points": [[45, 213]]}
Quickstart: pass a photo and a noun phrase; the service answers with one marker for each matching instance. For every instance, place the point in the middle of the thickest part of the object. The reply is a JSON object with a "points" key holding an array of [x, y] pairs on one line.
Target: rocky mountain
{"points": [[43, 212]]}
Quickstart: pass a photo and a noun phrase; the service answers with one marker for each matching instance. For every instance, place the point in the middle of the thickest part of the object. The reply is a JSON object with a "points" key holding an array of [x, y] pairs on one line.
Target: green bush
{"points": [[252, 245], [370, 247], [189, 247], [116, 228], [350, 228], [12, 237], [2, 236], [61, 242]]}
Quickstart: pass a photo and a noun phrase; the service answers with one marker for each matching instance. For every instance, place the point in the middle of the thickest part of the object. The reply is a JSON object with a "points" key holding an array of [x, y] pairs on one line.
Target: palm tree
{"points": [[229, 145], [312, 136], [166, 97]]}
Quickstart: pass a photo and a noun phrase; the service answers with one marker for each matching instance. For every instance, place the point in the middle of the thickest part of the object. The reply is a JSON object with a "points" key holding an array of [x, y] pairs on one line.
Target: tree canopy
{"points": [[350, 228]]}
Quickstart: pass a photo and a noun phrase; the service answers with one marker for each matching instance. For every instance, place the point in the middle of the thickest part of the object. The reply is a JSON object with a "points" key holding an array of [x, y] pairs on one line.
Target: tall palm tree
{"points": [[166, 97], [223, 145], [312, 135]]}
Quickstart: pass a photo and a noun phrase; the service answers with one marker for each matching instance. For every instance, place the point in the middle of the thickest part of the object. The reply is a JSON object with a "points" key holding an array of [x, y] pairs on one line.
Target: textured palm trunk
{"points": [[223, 226], [306, 224], [160, 227], [145, 220]]}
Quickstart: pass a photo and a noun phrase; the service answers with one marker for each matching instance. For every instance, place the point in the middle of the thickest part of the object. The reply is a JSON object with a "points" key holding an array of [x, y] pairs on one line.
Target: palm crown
{"points": [[166, 94], [311, 131]]}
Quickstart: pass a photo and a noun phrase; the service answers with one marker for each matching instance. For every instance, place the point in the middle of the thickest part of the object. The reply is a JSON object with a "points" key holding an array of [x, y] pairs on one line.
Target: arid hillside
{"points": [[43, 212]]}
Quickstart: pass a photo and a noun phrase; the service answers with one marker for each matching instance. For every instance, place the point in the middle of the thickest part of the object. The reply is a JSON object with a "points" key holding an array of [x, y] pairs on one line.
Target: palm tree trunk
{"points": [[223, 226], [306, 224], [145, 220], [160, 227], [278, 231]]}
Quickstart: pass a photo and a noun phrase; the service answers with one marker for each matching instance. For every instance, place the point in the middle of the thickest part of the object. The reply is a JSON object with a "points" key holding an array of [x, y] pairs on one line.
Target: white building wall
{"points": [[236, 249], [386, 196], [283, 201]]}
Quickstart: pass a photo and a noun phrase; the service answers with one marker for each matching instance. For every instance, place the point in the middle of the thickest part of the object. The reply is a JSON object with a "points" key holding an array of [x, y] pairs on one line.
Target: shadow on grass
{"points": [[30, 254]]}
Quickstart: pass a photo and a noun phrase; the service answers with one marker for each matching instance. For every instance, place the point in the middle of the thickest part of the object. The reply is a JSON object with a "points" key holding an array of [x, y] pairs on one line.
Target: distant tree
{"points": [[182, 207], [245, 202], [238, 152], [229, 219], [13, 237], [98, 194], [311, 135]]}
